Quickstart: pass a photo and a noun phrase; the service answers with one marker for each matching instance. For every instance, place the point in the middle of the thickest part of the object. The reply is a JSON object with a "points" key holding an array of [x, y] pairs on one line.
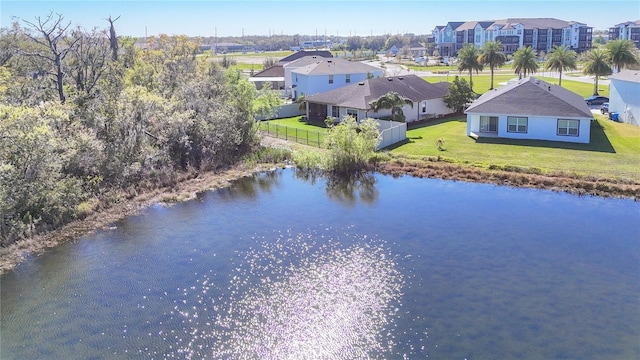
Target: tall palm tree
{"points": [[622, 53], [468, 60], [491, 54], [394, 101], [525, 61], [597, 64], [561, 58]]}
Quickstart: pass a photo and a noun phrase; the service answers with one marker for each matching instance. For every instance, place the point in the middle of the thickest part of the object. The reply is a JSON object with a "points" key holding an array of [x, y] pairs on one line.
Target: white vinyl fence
{"points": [[284, 111], [391, 132]]}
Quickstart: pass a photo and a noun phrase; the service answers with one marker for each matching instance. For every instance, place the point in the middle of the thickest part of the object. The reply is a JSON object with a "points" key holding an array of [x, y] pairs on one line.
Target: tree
{"points": [[459, 95], [54, 46], [561, 58], [468, 61], [597, 64], [351, 144], [269, 62], [524, 61], [113, 39], [491, 54], [88, 59], [622, 53], [395, 102]]}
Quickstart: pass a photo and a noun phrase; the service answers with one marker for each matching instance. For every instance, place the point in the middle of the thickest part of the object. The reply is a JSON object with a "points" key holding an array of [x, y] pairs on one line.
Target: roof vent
{"points": [[361, 83], [390, 79], [549, 87], [537, 82], [400, 78]]}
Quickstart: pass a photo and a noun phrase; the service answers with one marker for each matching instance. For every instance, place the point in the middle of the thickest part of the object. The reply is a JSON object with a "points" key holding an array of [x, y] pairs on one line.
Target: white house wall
{"points": [[624, 99], [538, 128]]}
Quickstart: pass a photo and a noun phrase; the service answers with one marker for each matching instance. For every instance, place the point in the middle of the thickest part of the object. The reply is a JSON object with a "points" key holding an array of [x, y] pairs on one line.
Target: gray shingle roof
{"points": [[627, 75], [531, 96], [528, 23], [272, 71], [302, 53], [358, 96], [333, 66]]}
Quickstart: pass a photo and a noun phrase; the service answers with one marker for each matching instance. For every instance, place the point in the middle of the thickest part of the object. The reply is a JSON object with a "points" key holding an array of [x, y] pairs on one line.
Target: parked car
{"points": [[604, 108], [596, 100]]}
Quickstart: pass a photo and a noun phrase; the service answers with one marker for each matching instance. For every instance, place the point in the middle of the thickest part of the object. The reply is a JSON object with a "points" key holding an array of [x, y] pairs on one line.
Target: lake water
{"points": [[279, 267]]}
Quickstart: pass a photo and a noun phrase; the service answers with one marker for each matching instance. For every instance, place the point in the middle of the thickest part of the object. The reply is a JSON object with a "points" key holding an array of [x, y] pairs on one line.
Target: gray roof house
{"points": [[624, 96], [530, 109], [302, 53], [354, 99], [324, 74], [273, 75]]}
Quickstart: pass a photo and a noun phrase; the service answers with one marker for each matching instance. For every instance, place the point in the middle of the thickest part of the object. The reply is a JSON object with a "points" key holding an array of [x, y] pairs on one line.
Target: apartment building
{"points": [[629, 30], [539, 33]]}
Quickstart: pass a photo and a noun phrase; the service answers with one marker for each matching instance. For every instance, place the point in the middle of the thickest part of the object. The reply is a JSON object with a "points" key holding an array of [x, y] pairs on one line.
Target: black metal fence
{"points": [[302, 136]]}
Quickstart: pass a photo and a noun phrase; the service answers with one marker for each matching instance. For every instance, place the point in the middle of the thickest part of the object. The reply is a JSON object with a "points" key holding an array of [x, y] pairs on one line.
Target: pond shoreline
{"points": [[15, 253]]}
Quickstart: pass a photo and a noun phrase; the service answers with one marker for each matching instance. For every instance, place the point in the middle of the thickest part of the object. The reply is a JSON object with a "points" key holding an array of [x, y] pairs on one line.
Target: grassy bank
{"points": [[614, 150]]}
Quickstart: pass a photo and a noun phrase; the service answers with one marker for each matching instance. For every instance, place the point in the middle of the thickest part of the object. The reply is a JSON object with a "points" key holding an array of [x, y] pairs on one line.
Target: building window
{"points": [[489, 124], [568, 127], [353, 113], [335, 112], [517, 124], [347, 78], [330, 79], [424, 106]]}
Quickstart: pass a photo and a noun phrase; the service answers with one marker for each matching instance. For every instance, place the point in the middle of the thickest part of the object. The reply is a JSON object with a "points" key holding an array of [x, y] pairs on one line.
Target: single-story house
{"points": [[624, 96], [355, 99], [530, 109], [273, 75], [325, 74]]}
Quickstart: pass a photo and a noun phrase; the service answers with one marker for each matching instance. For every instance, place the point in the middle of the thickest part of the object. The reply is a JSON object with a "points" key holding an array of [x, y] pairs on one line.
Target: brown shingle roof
{"points": [[531, 96]]}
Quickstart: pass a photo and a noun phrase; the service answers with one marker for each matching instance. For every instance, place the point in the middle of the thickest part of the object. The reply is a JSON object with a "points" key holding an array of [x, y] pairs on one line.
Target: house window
{"points": [[517, 124], [335, 112], [568, 127], [424, 107], [347, 78], [353, 113], [489, 124], [330, 79]]}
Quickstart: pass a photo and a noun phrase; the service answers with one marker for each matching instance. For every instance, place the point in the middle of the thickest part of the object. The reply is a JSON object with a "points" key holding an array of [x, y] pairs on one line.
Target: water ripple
{"points": [[297, 298]]}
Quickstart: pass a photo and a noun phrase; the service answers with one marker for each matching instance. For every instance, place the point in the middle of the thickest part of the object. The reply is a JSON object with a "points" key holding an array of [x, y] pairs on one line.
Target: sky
{"points": [[308, 17]]}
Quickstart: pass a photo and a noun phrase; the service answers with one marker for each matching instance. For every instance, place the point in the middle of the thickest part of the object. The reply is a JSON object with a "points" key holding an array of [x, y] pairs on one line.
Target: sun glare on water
{"points": [[296, 298]]}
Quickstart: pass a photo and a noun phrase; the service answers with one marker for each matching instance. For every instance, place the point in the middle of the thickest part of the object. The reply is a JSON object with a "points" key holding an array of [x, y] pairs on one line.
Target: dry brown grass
{"points": [[557, 182]]}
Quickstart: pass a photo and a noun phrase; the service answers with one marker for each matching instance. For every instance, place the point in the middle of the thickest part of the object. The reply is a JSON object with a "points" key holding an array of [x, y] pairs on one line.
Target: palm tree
{"points": [[394, 101], [622, 53], [468, 60], [524, 61], [491, 54], [597, 64], [561, 58]]}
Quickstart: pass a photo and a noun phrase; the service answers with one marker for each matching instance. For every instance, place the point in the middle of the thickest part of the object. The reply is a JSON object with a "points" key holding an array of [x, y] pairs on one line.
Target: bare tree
{"points": [[88, 58], [51, 35], [113, 39]]}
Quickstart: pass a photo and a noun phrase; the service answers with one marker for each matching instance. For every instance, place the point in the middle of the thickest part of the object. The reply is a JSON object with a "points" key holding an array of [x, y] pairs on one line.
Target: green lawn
{"points": [[614, 150], [295, 129], [482, 82]]}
